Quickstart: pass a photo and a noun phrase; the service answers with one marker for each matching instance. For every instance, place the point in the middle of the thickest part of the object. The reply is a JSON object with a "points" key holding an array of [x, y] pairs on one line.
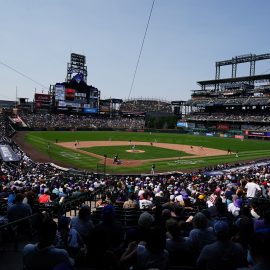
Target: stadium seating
{"points": [[184, 200]]}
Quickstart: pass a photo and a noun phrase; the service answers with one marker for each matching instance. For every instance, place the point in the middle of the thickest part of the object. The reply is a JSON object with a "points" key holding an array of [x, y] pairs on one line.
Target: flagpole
{"points": [[16, 97]]}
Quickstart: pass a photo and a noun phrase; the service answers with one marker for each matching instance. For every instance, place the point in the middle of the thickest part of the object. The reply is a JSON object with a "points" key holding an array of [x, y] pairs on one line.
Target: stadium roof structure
{"points": [[246, 79], [234, 61]]}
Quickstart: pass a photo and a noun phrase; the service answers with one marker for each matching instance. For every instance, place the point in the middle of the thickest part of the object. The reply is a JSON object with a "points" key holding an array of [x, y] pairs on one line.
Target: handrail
{"points": [[18, 221]]}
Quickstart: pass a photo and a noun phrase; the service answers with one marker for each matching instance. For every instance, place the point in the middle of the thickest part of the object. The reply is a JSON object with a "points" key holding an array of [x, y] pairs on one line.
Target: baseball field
{"points": [[137, 151]]}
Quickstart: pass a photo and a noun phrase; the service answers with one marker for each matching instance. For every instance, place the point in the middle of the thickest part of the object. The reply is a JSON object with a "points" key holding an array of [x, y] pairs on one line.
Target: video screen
{"points": [[70, 94], [59, 92], [70, 99]]}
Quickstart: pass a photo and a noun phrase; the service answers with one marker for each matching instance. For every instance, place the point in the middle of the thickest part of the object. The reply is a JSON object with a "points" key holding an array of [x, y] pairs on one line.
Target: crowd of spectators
{"points": [[146, 105], [229, 117], [229, 101], [80, 121], [196, 219], [187, 219], [6, 129], [259, 128]]}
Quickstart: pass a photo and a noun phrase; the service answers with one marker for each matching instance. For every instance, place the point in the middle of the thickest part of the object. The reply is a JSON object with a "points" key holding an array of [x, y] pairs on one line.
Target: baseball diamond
{"points": [[93, 145]]}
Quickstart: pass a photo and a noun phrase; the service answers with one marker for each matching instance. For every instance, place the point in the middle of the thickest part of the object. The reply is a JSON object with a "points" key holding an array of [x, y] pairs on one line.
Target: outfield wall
{"points": [[171, 131], [229, 134], [103, 129]]}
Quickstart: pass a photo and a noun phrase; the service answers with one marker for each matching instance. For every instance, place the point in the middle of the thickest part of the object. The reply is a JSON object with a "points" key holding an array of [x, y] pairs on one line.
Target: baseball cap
{"points": [[238, 203], [201, 197], [145, 220], [221, 226]]}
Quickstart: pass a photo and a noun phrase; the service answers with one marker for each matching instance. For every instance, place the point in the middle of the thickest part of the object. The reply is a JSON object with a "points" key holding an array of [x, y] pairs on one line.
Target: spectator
{"points": [[234, 207], [19, 210], [252, 188], [259, 252], [45, 198], [111, 227], [201, 235], [178, 246], [43, 255], [100, 254], [131, 202], [144, 202], [263, 225], [149, 254], [222, 254], [82, 223], [68, 238]]}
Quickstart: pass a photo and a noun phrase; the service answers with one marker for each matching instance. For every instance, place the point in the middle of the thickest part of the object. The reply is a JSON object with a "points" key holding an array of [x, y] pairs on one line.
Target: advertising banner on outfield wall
{"points": [[241, 137], [8, 154], [258, 133], [182, 124]]}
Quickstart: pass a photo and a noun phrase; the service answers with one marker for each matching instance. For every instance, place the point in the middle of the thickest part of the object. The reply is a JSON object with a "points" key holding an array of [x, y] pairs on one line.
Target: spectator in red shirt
{"points": [[45, 198]]}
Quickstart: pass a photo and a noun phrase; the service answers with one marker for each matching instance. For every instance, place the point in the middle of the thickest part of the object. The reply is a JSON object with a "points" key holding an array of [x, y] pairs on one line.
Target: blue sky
{"points": [[185, 38]]}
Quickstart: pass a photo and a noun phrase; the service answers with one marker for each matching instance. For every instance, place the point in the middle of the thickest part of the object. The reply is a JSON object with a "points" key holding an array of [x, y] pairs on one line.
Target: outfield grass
{"points": [[248, 149], [151, 152]]}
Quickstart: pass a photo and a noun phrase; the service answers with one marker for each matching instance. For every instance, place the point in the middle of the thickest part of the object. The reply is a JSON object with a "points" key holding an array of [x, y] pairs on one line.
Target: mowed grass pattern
{"points": [[248, 149], [151, 152]]}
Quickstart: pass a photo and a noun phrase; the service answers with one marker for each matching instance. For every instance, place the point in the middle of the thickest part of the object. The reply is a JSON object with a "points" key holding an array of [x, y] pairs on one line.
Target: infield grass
{"points": [[150, 152], [248, 149]]}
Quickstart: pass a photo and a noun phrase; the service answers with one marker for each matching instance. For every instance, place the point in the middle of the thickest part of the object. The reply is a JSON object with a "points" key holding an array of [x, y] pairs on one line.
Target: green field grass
{"points": [[248, 149], [151, 152]]}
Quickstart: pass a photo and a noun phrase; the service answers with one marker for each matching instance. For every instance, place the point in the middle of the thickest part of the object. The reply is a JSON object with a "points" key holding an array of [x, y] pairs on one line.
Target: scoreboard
{"points": [[42, 101], [75, 95], [76, 100]]}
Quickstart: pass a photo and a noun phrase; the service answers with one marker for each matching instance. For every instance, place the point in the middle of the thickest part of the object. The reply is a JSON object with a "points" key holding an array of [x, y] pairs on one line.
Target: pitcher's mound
{"points": [[135, 151]]}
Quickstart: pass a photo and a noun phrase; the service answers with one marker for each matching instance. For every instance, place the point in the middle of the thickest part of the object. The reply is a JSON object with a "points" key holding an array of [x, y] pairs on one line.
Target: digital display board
{"points": [[90, 110], [42, 101], [42, 98], [59, 92], [69, 104], [70, 94], [76, 97]]}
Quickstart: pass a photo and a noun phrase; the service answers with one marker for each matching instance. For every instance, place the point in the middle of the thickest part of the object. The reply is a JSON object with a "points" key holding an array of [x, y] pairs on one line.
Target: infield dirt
{"points": [[196, 151]]}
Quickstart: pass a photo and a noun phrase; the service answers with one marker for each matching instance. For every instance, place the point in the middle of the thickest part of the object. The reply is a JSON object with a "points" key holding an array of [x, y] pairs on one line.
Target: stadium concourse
{"points": [[199, 220]]}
